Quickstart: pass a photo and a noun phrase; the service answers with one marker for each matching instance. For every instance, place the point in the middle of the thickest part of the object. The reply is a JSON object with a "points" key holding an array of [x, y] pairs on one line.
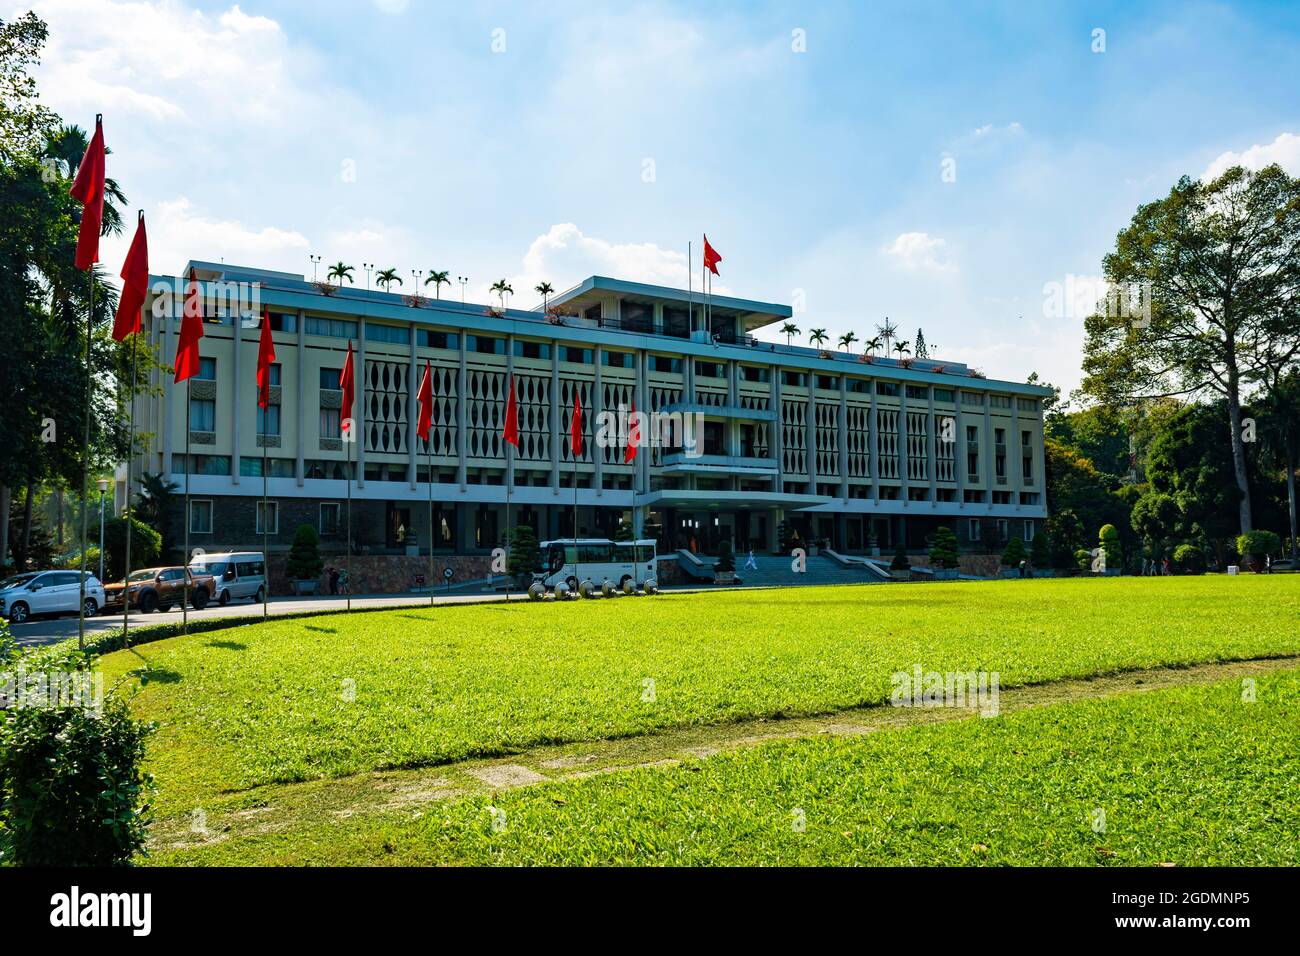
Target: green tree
{"points": [[1015, 553], [1108, 540], [340, 271], [146, 546], [304, 563], [525, 553], [847, 339], [545, 290], [789, 330], [817, 337], [943, 549], [1156, 519], [1220, 263], [1040, 550], [437, 280], [386, 278], [1278, 415]]}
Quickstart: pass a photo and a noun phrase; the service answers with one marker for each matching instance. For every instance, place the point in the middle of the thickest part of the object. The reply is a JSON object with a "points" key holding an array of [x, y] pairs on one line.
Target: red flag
{"points": [[425, 399], [633, 435], [135, 285], [349, 394], [88, 189], [187, 347], [265, 358], [575, 427], [510, 433], [711, 257]]}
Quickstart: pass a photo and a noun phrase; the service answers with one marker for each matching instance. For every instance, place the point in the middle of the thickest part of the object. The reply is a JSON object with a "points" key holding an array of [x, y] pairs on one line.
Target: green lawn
{"points": [[274, 702], [1192, 776]]}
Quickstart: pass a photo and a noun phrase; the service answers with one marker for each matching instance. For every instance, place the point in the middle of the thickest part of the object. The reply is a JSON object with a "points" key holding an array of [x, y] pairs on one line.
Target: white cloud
{"points": [[919, 252], [1285, 151], [988, 130], [178, 232]]}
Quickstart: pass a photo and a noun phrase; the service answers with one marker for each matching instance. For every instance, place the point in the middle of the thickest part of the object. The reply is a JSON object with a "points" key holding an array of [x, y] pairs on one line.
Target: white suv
{"points": [[48, 592]]}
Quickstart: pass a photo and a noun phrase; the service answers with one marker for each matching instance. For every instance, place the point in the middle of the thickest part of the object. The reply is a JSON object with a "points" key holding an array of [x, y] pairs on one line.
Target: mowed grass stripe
{"points": [[1188, 776], [299, 700]]}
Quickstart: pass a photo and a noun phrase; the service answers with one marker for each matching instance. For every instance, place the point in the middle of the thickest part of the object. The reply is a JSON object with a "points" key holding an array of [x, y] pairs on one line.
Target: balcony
{"points": [[679, 462]]}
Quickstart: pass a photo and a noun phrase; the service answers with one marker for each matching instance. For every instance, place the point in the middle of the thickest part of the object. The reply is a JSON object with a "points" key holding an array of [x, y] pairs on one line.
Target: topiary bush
{"points": [[1040, 550], [1108, 541], [1015, 553], [146, 546], [1255, 546], [726, 558], [1189, 558], [72, 788], [525, 554], [1083, 559], [304, 563], [900, 562], [943, 549]]}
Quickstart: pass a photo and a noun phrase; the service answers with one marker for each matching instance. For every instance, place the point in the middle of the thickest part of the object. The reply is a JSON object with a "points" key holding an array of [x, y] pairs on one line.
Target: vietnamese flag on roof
{"points": [[265, 359], [135, 285], [88, 189], [711, 256]]}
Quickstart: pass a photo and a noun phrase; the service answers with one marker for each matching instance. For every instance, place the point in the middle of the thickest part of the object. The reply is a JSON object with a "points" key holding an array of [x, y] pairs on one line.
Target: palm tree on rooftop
{"points": [[902, 348], [499, 287], [789, 330], [437, 280], [545, 290], [817, 337], [872, 345], [340, 271], [847, 339], [386, 278]]}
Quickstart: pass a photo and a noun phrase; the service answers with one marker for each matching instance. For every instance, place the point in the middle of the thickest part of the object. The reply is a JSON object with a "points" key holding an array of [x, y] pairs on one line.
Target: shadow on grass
{"points": [[228, 645], [156, 675], [322, 630]]}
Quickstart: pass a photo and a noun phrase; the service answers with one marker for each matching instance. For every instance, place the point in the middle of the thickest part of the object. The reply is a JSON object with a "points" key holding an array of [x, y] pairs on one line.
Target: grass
{"points": [[1191, 776], [301, 700]]}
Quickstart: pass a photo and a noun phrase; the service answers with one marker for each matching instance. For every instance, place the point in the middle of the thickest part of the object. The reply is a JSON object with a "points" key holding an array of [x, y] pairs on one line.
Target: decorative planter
{"points": [[724, 577], [946, 574], [304, 587]]}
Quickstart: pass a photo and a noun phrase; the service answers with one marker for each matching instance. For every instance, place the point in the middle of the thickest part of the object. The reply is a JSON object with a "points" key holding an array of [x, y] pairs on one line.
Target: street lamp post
{"points": [[103, 487], [463, 280]]}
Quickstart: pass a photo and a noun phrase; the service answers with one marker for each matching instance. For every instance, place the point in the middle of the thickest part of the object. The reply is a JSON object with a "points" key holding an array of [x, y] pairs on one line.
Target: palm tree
{"points": [[817, 337], [502, 289], [340, 271], [437, 280], [902, 348], [65, 147], [386, 278], [872, 345], [789, 330], [545, 290], [887, 332], [847, 339]]}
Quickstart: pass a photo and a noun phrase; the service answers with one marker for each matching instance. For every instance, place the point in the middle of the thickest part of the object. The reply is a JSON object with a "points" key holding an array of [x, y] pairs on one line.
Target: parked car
{"points": [[48, 592], [159, 589], [239, 574]]}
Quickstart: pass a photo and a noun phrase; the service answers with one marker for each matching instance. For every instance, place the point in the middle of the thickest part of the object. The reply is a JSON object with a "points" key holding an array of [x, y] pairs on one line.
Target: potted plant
{"points": [[304, 566], [944, 556], [724, 570], [1255, 547]]}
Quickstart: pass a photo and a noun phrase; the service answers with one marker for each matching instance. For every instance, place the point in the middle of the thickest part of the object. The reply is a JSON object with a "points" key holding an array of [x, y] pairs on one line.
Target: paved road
{"points": [[47, 630]]}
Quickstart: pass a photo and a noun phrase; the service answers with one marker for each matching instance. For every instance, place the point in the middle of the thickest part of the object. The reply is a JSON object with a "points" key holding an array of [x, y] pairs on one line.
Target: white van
{"points": [[239, 574]]}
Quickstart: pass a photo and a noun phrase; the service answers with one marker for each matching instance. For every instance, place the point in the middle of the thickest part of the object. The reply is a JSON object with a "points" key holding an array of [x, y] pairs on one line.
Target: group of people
{"points": [[1152, 566], [337, 579]]}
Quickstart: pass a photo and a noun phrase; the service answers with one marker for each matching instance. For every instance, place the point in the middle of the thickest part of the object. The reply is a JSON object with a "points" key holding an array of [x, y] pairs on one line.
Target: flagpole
{"points": [[690, 288], [126, 574], [185, 557], [428, 445], [266, 548], [348, 437], [85, 470], [508, 476]]}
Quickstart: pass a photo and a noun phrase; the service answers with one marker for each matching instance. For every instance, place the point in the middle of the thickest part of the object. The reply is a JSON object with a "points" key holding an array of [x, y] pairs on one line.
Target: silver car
{"points": [[48, 592]]}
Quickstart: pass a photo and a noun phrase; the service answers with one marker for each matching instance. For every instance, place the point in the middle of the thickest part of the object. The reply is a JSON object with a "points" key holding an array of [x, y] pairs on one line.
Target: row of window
{"points": [[1004, 529]]}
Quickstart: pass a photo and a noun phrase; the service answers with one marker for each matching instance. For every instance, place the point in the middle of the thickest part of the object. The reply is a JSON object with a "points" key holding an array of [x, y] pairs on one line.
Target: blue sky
{"points": [[556, 140]]}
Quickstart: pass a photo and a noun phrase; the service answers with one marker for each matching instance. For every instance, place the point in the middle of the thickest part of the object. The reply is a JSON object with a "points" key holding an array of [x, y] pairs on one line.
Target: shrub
{"points": [[726, 559], [1083, 558], [1253, 545], [304, 563], [1108, 541], [1189, 558], [900, 560], [72, 788], [146, 546], [72, 560], [1040, 550], [943, 549], [1015, 553], [525, 553]]}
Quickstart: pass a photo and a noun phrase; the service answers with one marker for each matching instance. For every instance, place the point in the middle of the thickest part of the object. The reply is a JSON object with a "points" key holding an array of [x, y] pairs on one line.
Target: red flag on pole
{"points": [[349, 394], [135, 285], [711, 257], [633, 435], [510, 433], [425, 399], [187, 347], [575, 427], [88, 189], [265, 359]]}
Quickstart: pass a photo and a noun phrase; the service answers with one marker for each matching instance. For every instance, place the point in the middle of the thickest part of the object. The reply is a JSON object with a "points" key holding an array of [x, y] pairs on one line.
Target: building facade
{"points": [[773, 443]]}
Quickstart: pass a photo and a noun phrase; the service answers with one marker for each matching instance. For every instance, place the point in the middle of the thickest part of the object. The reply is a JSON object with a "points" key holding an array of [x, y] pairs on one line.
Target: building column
{"points": [[462, 416], [810, 433], [237, 343], [842, 425], [359, 380], [932, 451], [1015, 457], [413, 412], [904, 458], [776, 444], [597, 406], [507, 449], [959, 452], [557, 430], [300, 465], [641, 474], [873, 442]]}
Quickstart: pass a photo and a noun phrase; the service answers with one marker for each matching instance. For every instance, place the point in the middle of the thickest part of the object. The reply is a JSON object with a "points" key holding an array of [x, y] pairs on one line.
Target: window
{"points": [[797, 379], [972, 451], [575, 355], [268, 420], [203, 464], [284, 322], [710, 370], [251, 467], [616, 359], [329, 517], [330, 423], [1029, 532], [889, 389], [1000, 454], [828, 382], [999, 401], [392, 334], [485, 344], [974, 529], [532, 350], [334, 328], [665, 363], [268, 517], [203, 415], [972, 398], [1027, 405], [200, 517], [918, 391], [207, 370], [944, 395], [273, 375], [1002, 529], [435, 339], [755, 373]]}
